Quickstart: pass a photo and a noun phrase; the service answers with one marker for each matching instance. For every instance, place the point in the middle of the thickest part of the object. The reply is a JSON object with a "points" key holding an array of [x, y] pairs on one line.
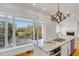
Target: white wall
{"points": [[70, 25], [50, 29], [78, 30]]}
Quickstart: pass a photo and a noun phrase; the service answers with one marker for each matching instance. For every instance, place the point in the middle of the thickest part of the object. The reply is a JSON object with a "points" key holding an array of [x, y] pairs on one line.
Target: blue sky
{"points": [[21, 23]]}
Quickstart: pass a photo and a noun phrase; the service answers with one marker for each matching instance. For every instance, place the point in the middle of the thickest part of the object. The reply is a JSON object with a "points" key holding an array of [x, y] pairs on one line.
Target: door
{"points": [[66, 49]]}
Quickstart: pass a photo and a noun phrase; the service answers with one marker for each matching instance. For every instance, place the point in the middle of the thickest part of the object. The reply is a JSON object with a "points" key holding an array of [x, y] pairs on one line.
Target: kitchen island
{"points": [[54, 48]]}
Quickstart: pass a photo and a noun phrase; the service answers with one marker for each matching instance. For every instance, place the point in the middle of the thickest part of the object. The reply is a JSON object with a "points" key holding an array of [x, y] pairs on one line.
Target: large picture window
{"points": [[24, 31], [17, 30], [2, 32]]}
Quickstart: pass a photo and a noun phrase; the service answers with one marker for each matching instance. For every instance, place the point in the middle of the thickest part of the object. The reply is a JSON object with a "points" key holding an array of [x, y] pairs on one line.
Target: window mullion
{"points": [[34, 30], [14, 38], [6, 32], [37, 30]]}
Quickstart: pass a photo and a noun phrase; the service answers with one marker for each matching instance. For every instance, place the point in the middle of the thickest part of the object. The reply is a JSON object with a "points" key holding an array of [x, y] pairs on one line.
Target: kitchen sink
{"points": [[59, 40], [54, 42], [48, 42]]}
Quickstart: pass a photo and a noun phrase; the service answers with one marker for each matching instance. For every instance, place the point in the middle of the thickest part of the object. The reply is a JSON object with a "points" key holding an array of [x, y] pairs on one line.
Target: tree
{"points": [[10, 31]]}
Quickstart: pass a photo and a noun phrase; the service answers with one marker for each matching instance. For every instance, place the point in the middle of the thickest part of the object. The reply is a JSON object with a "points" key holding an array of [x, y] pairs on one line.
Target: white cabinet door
{"points": [[39, 52], [69, 48], [66, 49]]}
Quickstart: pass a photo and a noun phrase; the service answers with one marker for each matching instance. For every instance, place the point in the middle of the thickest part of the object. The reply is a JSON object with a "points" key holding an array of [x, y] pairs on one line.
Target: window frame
{"points": [[13, 19], [23, 21]]}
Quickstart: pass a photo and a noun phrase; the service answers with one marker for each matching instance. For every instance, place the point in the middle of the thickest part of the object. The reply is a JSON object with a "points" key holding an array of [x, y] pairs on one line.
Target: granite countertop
{"points": [[54, 44]]}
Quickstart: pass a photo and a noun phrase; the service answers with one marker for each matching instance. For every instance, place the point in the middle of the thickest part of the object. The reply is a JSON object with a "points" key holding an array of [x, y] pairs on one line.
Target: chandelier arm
{"points": [[58, 7], [59, 16]]}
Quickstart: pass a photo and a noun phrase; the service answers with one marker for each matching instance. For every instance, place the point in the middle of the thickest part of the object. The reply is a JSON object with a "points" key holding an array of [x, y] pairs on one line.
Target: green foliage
{"points": [[10, 30], [28, 32]]}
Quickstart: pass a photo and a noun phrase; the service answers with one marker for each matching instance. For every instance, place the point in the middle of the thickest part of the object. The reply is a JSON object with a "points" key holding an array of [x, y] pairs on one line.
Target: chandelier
{"points": [[59, 16]]}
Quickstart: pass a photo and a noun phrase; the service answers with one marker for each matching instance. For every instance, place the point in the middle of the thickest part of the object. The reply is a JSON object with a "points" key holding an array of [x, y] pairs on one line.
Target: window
{"points": [[19, 30], [6, 31], [2, 32], [38, 31], [24, 31], [10, 32]]}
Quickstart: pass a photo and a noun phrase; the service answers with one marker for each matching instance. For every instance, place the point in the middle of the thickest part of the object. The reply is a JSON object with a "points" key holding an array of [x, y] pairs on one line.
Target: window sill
{"points": [[17, 49]]}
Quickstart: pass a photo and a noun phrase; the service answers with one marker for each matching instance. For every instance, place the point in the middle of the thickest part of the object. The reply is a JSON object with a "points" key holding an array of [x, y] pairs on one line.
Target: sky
{"points": [[21, 23]]}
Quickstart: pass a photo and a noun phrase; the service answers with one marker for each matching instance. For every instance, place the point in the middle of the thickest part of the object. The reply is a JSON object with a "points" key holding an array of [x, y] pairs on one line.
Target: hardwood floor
{"points": [[30, 53], [24, 54], [76, 52]]}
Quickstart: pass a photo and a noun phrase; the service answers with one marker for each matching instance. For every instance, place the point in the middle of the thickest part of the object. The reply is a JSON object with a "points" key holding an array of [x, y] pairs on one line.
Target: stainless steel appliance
{"points": [[70, 33], [56, 52]]}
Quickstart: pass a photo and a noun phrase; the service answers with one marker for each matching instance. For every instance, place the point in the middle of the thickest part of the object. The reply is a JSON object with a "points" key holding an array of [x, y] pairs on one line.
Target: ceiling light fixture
{"points": [[59, 16]]}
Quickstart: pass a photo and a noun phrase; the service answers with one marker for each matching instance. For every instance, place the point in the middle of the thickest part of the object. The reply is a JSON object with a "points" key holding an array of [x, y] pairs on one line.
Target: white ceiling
{"points": [[72, 8]]}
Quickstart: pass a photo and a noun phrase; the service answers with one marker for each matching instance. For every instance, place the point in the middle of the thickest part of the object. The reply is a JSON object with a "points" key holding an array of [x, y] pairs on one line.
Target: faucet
{"points": [[58, 34]]}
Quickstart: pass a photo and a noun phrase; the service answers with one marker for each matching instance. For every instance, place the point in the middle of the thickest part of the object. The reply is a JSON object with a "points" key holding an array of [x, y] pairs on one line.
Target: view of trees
{"points": [[10, 32], [2, 33], [23, 32], [27, 32], [38, 32]]}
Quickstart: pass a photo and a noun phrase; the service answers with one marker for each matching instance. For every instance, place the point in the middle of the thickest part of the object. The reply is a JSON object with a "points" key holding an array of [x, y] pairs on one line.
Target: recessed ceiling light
{"points": [[67, 12], [34, 4], [44, 8]]}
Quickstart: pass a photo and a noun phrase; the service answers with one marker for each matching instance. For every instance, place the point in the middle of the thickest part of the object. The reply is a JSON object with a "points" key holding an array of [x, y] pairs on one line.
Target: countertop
{"points": [[51, 46]]}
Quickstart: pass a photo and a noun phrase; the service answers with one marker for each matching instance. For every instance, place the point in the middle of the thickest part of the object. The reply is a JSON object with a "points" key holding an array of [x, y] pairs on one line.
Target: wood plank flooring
{"points": [[24, 54], [30, 53], [76, 52]]}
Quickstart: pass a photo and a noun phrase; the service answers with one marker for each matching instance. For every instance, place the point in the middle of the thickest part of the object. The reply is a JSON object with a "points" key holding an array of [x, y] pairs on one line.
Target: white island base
{"points": [[66, 48]]}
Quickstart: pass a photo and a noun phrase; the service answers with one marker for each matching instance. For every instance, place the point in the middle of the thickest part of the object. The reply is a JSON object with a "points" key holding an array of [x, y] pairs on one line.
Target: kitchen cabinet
{"points": [[66, 49], [39, 52], [72, 45]]}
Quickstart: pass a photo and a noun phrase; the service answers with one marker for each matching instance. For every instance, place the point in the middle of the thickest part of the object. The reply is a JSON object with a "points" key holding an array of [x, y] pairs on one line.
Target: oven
{"points": [[56, 52], [70, 33]]}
